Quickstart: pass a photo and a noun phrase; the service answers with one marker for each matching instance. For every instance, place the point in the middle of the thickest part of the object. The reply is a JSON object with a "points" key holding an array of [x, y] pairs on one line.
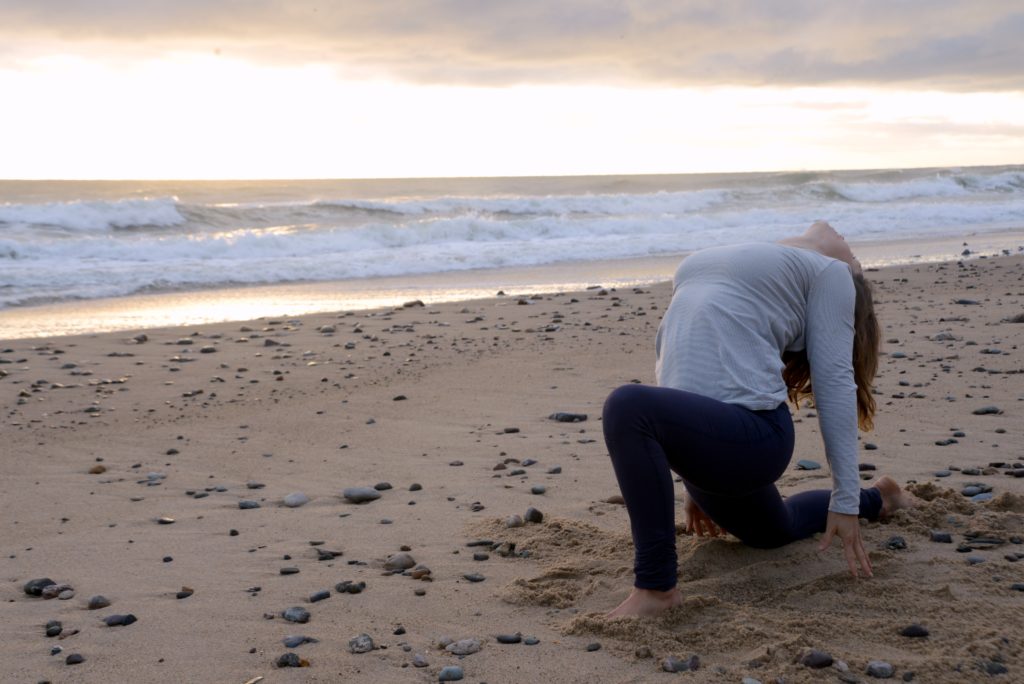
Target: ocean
{"points": [[69, 241]]}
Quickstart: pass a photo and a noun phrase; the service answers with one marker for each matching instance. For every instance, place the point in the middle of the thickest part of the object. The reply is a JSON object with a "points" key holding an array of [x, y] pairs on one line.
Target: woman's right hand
{"points": [[697, 521]]}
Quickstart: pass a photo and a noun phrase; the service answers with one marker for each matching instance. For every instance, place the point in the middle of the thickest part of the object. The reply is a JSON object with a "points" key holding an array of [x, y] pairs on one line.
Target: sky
{"points": [[390, 88]]}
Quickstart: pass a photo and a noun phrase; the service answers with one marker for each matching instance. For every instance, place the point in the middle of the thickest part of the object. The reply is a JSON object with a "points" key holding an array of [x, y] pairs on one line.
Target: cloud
{"points": [[943, 44]]}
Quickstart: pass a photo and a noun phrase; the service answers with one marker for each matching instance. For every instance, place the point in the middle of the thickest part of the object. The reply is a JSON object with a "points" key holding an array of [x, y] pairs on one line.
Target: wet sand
{"points": [[104, 435]]}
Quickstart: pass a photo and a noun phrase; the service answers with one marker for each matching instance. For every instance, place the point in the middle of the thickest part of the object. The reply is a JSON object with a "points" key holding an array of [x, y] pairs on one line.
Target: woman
{"points": [[748, 326]]}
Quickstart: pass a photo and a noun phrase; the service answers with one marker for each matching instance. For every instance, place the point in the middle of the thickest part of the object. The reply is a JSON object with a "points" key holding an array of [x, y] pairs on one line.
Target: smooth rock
{"points": [[594, 646], [399, 562], [52, 591], [54, 628], [361, 494], [75, 659], [97, 602], [880, 669], [533, 515], [514, 520], [35, 587], [807, 464], [295, 640], [450, 673], [817, 660], [674, 664], [896, 543], [319, 596], [247, 504], [565, 417], [474, 577], [509, 638], [120, 620], [914, 631], [531, 641], [538, 489], [463, 647], [288, 660], [941, 537], [987, 411], [360, 644], [419, 660], [296, 614], [296, 499]]}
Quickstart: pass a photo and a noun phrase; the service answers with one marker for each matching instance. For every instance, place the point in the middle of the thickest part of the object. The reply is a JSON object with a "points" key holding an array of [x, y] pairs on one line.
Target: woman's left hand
{"points": [[847, 528], [698, 522]]}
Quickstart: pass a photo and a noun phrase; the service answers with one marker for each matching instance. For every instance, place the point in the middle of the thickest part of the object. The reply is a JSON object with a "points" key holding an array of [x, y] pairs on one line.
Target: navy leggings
{"points": [[729, 458]]}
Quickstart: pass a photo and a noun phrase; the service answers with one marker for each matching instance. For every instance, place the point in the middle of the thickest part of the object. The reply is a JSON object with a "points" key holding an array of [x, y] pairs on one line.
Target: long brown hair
{"points": [[797, 371]]}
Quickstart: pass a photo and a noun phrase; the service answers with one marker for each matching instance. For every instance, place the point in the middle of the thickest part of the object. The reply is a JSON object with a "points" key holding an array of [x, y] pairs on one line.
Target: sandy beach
{"points": [[129, 457]]}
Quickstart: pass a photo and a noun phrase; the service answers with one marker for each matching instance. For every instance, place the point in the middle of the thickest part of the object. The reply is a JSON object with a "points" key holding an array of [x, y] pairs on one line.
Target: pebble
{"points": [[538, 489], [296, 499], [474, 577], [594, 646], [165, 520], [349, 587], [987, 411], [184, 593], [975, 560], [941, 537], [319, 596], [120, 620], [361, 494], [75, 659], [296, 614], [914, 631], [382, 486], [288, 660], [419, 660], [807, 464], [295, 640], [533, 515], [54, 628], [896, 543], [509, 638], [674, 664], [943, 473], [463, 647], [289, 570], [450, 673], [880, 669], [565, 417], [533, 641], [415, 487], [35, 587], [360, 644], [993, 668], [514, 521], [817, 659], [399, 562], [246, 504]]}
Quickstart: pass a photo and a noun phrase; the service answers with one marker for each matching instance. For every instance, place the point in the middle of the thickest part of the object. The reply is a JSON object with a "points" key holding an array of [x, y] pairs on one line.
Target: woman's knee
{"points": [[622, 405]]}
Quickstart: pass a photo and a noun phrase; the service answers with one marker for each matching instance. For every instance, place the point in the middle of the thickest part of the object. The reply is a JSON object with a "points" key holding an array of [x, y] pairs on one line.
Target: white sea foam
{"points": [[95, 215], [102, 247]]}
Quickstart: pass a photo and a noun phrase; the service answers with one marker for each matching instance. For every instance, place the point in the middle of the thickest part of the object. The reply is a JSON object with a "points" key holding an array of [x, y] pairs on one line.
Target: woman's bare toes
{"points": [[893, 496]]}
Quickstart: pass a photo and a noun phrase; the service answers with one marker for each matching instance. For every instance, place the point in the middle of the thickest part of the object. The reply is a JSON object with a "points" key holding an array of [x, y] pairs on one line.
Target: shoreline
{"points": [[126, 464], [219, 305]]}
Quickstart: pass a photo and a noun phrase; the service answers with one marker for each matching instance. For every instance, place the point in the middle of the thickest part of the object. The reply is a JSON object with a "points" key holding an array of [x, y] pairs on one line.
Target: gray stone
{"points": [[288, 660], [419, 660], [360, 644], [319, 596], [296, 499], [296, 614], [120, 620], [361, 494], [987, 411], [915, 631], [35, 587], [565, 417], [246, 504], [880, 669], [97, 602], [538, 489], [817, 659], [514, 521], [463, 647], [450, 673], [509, 638], [399, 562], [807, 464], [533, 515]]}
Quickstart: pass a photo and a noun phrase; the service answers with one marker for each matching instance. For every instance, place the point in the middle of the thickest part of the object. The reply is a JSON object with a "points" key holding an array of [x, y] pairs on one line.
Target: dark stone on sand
{"points": [[674, 664], [914, 631], [349, 587], [533, 515], [807, 464], [941, 537], [35, 587], [1017, 586], [233, 533], [987, 411], [165, 520], [399, 562], [510, 430], [296, 614], [870, 446], [382, 486], [415, 487], [120, 620], [554, 470], [288, 660], [361, 494], [594, 646], [531, 641], [509, 638], [943, 473], [864, 467], [75, 659], [971, 471], [54, 628], [289, 570], [565, 417], [97, 602], [538, 489], [246, 504], [319, 596], [184, 593], [992, 668], [896, 543], [474, 577], [817, 660], [481, 556]]}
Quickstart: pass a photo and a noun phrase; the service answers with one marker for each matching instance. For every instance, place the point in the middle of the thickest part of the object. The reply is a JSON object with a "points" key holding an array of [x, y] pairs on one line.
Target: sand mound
{"points": [[747, 608]]}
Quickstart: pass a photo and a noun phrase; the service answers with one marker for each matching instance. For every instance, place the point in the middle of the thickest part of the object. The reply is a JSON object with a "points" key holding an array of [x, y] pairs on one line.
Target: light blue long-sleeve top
{"points": [[736, 309]]}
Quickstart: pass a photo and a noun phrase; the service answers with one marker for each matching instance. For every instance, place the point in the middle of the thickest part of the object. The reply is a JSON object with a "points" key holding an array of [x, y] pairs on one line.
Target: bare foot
{"points": [[893, 497], [647, 602]]}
